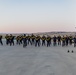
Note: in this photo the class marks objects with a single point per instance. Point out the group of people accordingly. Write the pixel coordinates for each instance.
(38, 40)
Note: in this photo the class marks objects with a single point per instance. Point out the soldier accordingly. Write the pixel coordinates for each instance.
(17, 40)
(1, 40)
(33, 39)
(75, 41)
(59, 40)
(37, 38)
(54, 40)
(48, 39)
(70, 39)
(63, 41)
(29, 39)
(24, 40)
(66, 40)
(20, 39)
(11, 37)
(7, 39)
(43, 38)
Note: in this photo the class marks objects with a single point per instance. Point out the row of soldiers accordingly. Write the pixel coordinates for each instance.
(38, 40)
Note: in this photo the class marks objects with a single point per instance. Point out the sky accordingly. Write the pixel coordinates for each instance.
(31, 16)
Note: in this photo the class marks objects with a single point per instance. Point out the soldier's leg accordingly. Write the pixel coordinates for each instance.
(1, 42)
(35, 43)
(26, 43)
(62, 43)
(70, 42)
(58, 42)
(74, 44)
(50, 42)
(6, 42)
(10, 42)
(47, 43)
(17, 42)
(21, 41)
(67, 43)
(42, 43)
(13, 42)
(30, 42)
(38, 43)
(54, 43)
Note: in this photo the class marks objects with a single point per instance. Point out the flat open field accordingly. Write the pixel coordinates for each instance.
(16, 60)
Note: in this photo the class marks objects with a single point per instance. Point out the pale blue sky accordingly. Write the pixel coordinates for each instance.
(37, 15)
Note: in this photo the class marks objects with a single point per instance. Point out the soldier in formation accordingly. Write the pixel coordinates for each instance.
(59, 40)
(1, 40)
(9, 39)
(38, 40)
(54, 40)
(75, 41)
(48, 39)
(24, 40)
(43, 38)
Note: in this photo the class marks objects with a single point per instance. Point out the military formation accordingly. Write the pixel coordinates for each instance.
(38, 40)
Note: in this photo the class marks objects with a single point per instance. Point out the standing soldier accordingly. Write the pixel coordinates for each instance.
(1, 40)
(17, 40)
(7, 39)
(20, 39)
(75, 41)
(43, 38)
(63, 41)
(37, 38)
(48, 39)
(24, 40)
(54, 40)
(66, 40)
(11, 37)
(29, 39)
(33, 39)
(70, 39)
(59, 40)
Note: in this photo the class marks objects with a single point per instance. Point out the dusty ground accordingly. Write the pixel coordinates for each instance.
(16, 60)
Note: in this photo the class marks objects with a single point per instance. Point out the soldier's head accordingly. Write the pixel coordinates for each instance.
(28, 34)
(42, 35)
(63, 35)
(6, 34)
(54, 36)
(37, 35)
(47, 35)
(66, 35)
(10, 34)
(24, 34)
(32, 34)
(59, 35)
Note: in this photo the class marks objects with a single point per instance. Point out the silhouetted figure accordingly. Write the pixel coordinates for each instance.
(1, 40)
